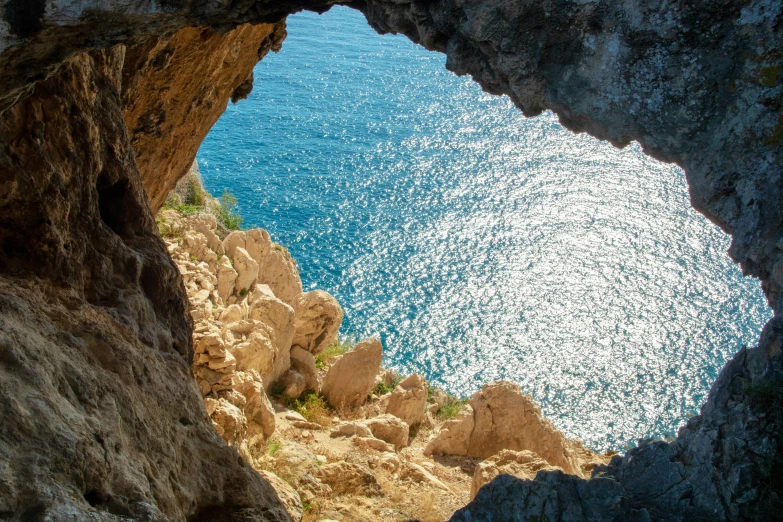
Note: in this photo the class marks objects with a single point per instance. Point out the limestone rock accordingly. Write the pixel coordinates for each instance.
(349, 429)
(374, 444)
(417, 473)
(521, 464)
(351, 378)
(453, 438)
(304, 363)
(293, 384)
(288, 495)
(390, 429)
(280, 273)
(258, 410)
(265, 307)
(409, 399)
(503, 418)
(349, 478)
(258, 244)
(257, 351)
(318, 318)
(231, 420)
(226, 277)
(247, 271)
(234, 240)
(295, 457)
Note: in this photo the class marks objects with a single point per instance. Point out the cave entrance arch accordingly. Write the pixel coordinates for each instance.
(577, 261)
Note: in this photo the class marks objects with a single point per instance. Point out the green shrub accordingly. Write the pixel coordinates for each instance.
(194, 193)
(314, 408)
(228, 211)
(451, 407)
(273, 446)
(335, 349)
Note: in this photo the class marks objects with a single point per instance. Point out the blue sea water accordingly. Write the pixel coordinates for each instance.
(480, 245)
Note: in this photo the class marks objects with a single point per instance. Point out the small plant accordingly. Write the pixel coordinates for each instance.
(228, 211)
(194, 193)
(451, 407)
(193, 258)
(314, 408)
(382, 389)
(273, 446)
(243, 292)
(332, 351)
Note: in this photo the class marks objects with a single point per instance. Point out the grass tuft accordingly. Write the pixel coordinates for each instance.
(314, 408)
(334, 350)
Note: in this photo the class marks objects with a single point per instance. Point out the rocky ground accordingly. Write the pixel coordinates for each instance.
(337, 435)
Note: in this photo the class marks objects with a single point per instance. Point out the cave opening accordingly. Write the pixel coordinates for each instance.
(480, 245)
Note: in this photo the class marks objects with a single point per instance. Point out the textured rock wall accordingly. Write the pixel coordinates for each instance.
(93, 323)
(174, 89)
(100, 414)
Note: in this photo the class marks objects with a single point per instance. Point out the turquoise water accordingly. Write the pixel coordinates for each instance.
(480, 245)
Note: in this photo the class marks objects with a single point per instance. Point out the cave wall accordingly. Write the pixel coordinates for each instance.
(100, 415)
(103, 106)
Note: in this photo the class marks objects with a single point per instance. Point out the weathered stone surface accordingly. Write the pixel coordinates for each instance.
(350, 380)
(521, 464)
(390, 429)
(416, 473)
(287, 495)
(100, 411)
(453, 438)
(279, 272)
(409, 399)
(318, 318)
(350, 478)
(168, 117)
(503, 418)
(349, 429)
(304, 363)
(265, 307)
(373, 444)
(696, 83)
(247, 271)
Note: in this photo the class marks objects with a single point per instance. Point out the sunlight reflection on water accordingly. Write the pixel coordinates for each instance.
(480, 245)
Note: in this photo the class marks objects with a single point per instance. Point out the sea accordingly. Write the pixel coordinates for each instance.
(480, 245)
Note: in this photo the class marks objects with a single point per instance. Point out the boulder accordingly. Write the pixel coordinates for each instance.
(279, 272)
(226, 278)
(235, 239)
(295, 457)
(374, 444)
(304, 363)
(317, 320)
(349, 478)
(287, 495)
(256, 350)
(258, 410)
(258, 244)
(247, 271)
(409, 399)
(293, 384)
(349, 429)
(229, 421)
(265, 307)
(521, 464)
(503, 418)
(416, 473)
(453, 438)
(351, 379)
(390, 429)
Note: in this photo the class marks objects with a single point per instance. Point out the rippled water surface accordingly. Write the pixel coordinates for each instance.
(480, 245)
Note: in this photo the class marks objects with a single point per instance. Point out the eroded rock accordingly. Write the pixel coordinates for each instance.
(350, 380)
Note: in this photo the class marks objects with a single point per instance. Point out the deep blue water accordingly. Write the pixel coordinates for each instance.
(480, 245)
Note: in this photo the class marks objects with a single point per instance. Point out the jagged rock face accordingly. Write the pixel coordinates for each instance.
(89, 294)
(100, 414)
(174, 90)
